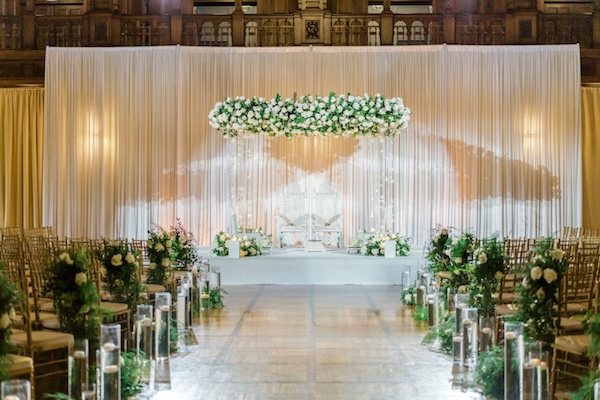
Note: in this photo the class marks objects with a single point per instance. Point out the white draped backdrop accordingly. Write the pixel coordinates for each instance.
(493, 145)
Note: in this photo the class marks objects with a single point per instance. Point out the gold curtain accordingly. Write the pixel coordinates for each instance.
(21, 154)
(590, 117)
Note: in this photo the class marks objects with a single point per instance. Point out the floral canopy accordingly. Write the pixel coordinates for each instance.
(343, 115)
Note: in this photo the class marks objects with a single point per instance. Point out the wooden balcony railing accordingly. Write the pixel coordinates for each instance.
(418, 29)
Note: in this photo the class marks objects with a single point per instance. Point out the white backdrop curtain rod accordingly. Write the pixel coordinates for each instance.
(493, 146)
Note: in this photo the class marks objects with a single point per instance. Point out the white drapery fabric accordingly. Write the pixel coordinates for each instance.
(493, 146)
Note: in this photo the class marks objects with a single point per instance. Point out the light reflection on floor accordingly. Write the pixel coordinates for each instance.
(309, 342)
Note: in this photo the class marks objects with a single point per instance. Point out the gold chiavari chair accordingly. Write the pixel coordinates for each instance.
(516, 260)
(140, 246)
(589, 232)
(48, 350)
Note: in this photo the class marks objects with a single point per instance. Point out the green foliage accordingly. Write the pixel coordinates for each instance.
(486, 270)
(215, 298)
(75, 296)
(119, 272)
(57, 396)
(420, 313)
(443, 333)
(538, 295)
(489, 372)
(131, 374)
(8, 301)
(586, 391)
(461, 254)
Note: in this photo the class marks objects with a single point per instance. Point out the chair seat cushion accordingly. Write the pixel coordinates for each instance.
(43, 340)
(506, 309)
(571, 324)
(154, 288)
(18, 365)
(577, 308)
(114, 307)
(51, 323)
(577, 344)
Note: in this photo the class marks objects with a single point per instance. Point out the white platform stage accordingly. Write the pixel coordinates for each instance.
(297, 267)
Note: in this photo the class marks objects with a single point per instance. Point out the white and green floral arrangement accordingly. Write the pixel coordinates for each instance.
(249, 246)
(184, 251)
(120, 272)
(159, 250)
(343, 115)
(374, 244)
(538, 295)
(76, 298)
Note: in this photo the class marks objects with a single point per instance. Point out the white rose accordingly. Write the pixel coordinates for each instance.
(183, 240)
(499, 275)
(165, 262)
(482, 258)
(4, 321)
(444, 231)
(550, 275)
(63, 256)
(382, 251)
(458, 260)
(455, 241)
(536, 273)
(159, 247)
(129, 258)
(168, 243)
(558, 254)
(12, 314)
(152, 265)
(80, 278)
(540, 293)
(448, 252)
(103, 271)
(375, 252)
(407, 298)
(252, 251)
(222, 238)
(247, 243)
(117, 260)
(436, 238)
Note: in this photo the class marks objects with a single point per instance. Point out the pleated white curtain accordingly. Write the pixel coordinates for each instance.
(493, 146)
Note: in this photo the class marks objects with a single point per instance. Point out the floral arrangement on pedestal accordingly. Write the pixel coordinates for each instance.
(160, 250)
(8, 301)
(538, 295)
(374, 244)
(436, 250)
(343, 115)
(486, 270)
(75, 296)
(248, 246)
(120, 272)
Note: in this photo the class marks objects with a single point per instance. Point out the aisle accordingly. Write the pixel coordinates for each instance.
(310, 342)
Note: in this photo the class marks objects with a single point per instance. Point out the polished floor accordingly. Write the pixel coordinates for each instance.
(310, 342)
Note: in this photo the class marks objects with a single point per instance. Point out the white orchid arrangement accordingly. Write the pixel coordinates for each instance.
(538, 294)
(374, 244)
(249, 247)
(343, 115)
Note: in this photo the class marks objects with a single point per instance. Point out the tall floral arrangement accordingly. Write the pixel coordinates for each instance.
(486, 270)
(374, 244)
(120, 272)
(538, 295)
(343, 115)
(160, 250)
(460, 251)
(8, 301)
(436, 250)
(75, 295)
(184, 252)
(248, 246)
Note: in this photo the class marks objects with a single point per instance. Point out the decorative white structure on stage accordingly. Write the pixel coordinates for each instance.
(293, 217)
(327, 219)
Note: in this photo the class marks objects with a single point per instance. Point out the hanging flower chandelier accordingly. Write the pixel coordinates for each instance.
(343, 115)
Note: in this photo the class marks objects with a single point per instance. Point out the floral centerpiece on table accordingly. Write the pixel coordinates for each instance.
(184, 252)
(538, 295)
(75, 296)
(374, 244)
(436, 254)
(486, 270)
(248, 246)
(343, 115)
(160, 250)
(120, 272)
(8, 301)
